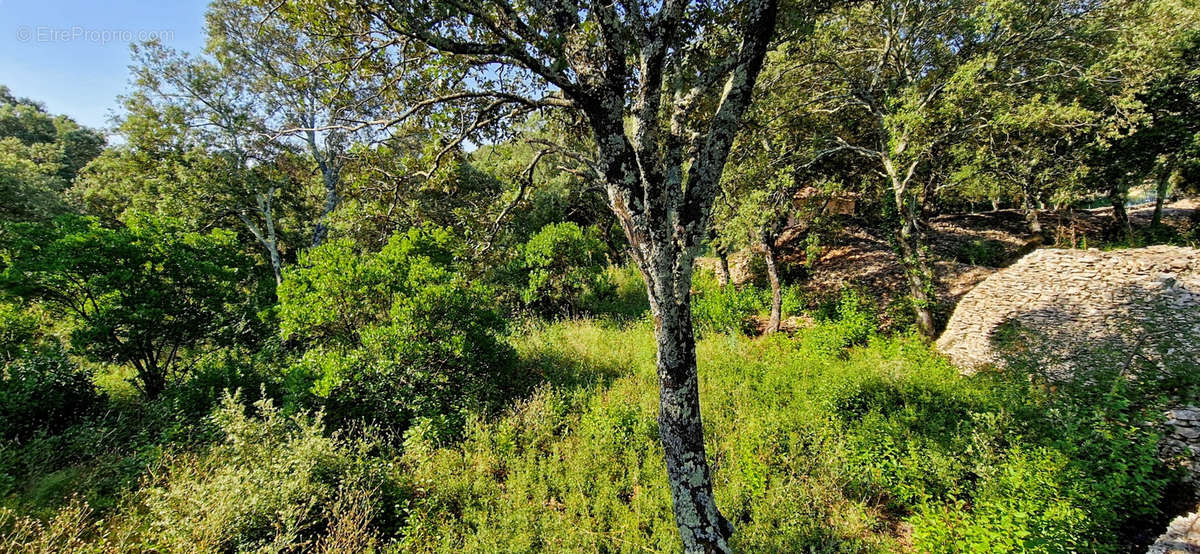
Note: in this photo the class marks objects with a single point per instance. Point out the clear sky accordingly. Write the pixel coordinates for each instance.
(73, 55)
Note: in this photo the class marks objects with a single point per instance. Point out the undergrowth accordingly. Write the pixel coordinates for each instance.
(832, 440)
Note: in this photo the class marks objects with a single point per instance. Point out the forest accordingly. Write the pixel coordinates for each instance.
(597, 276)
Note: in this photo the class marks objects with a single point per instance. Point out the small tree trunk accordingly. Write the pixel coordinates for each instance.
(995, 204)
(722, 266)
(920, 281)
(1160, 197)
(912, 255)
(153, 380)
(331, 203)
(770, 254)
(1117, 196)
(701, 524)
(1031, 212)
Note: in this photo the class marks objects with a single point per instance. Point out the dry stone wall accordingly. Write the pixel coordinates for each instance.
(1068, 307)
(1066, 312)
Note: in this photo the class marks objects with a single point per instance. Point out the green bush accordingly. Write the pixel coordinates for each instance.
(18, 331)
(142, 295)
(274, 483)
(393, 336)
(985, 252)
(43, 391)
(564, 265)
(627, 299)
(849, 322)
(726, 309)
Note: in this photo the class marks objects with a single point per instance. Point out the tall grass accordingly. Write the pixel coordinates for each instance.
(834, 440)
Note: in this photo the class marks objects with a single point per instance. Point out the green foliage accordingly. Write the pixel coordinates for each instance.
(985, 252)
(141, 295)
(565, 268)
(18, 331)
(626, 299)
(43, 391)
(392, 336)
(726, 309)
(335, 291)
(820, 452)
(40, 154)
(273, 483)
(848, 320)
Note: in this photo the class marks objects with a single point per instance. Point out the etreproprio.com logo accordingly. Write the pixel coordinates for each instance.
(77, 33)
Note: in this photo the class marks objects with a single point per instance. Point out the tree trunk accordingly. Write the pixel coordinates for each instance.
(1160, 197)
(912, 253)
(1029, 203)
(722, 266)
(919, 277)
(770, 254)
(701, 524)
(1117, 196)
(153, 380)
(330, 177)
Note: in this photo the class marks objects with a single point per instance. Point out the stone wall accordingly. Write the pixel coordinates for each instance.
(1062, 313)
(1066, 307)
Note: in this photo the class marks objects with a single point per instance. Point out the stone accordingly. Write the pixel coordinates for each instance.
(1188, 432)
(1072, 294)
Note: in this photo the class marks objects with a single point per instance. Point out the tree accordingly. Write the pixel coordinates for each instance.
(1162, 141)
(777, 176)
(301, 103)
(199, 147)
(660, 87)
(907, 79)
(143, 295)
(40, 154)
(393, 335)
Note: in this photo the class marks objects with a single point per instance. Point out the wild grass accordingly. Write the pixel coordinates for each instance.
(832, 440)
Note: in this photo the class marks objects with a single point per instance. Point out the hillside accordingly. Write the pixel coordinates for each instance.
(967, 248)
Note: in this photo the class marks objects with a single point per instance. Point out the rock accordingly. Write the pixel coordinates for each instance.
(1182, 536)
(1068, 295)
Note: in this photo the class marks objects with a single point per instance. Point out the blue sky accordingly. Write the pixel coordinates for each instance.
(73, 55)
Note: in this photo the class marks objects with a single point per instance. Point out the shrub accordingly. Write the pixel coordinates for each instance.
(849, 322)
(726, 309)
(18, 331)
(142, 295)
(565, 266)
(393, 336)
(43, 391)
(985, 252)
(627, 299)
(273, 484)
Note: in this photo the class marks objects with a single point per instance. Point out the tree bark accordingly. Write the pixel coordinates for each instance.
(332, 199)
(1117, 197)
(330, 176)
(153, 380)
(912, 253)
(1160, 197)
(770, 254)
(266, 236)
(701, 524)
(920, 279)
(1030, 205)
